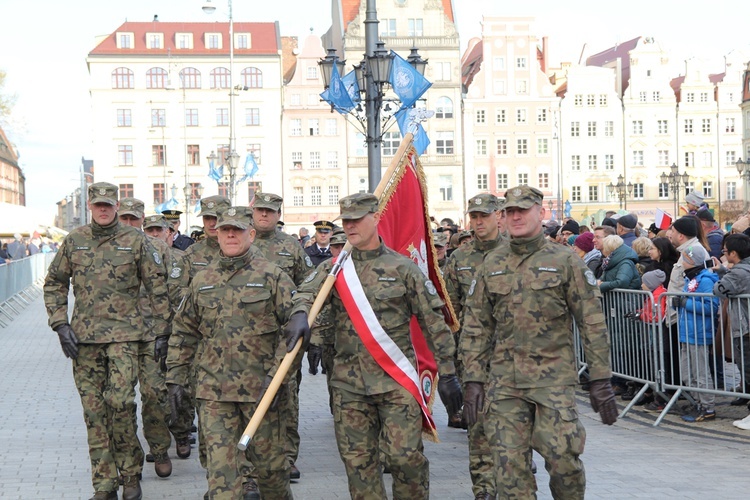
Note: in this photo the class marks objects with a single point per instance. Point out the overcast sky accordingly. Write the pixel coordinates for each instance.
(45, 43)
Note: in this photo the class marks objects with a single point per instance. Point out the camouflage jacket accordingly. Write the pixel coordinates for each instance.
(198, 256)
(518, 318)
(396, 290)
(286, 252)
(235, 308)
(170, 258)
(107, 266)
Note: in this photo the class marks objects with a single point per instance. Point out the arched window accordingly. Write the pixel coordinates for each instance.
(156, 78)
(220, 78)
(122, 78)
(444, 108)
(252, 78)
(191, 78)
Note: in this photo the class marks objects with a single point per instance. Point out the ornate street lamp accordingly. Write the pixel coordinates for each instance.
(675, 180)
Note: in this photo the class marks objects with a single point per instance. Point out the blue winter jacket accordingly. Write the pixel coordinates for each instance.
(697, 319)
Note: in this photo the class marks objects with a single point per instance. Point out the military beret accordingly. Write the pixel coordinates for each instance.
(485, 203)
(103, 192)
(523, 197)
(240, 217)
(355, 206)
(131, 206)
(267, 200)
(210, 205)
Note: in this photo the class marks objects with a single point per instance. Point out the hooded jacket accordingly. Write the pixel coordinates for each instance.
(621, 271)
(697, 316)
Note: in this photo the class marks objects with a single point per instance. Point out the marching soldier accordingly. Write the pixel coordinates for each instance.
(517, 322)
(440, 240)
(179, 241)
(235, 306)
(320, 250)
(371, 408)
(106, 262)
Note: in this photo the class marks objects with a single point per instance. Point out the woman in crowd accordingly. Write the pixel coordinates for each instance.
(642, 246)
(584, 248)
(663, 256)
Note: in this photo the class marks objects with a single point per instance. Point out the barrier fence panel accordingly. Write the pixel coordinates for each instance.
(20, 283)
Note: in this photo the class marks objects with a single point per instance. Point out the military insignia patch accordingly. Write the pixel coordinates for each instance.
(590, 278)
(427, 383)
(347, 203)
(157, 259)
(517, 192)
(231, 212)
(176, 272)
(308, 261)
(102, 191)
(129, 203)
(210, 204)
(310, 277)
(471, 288)
(266, 198)
(430, 287)
(478, 201)
(153, 218)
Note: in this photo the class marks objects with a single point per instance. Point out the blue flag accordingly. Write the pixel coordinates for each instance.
(337, 95)
(421, 141)
(215, 173)
(251, 168)
(170, 204)
(406, 81)
(351, 85)
(197, 208)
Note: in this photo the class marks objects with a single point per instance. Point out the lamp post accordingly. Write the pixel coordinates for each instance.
(621, 188)
(549, 204)
(372, 74)
(232, 158)
(675, 180)
(187, 191)
(743, 168)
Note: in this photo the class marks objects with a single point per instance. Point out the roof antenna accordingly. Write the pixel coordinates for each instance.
(156, 17)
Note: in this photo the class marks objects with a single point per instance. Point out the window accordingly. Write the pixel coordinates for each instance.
(520, 63)
(689, 159)
(663, 155)
(254, 149)
(522, 86)
(125, 41)
(481, 147)
(520, 116)
(498, 86)
(642, 96)
(314, 159)
(313, 126)
(332, 159)
(575, 193)
(295, 127)
(156, 78)
(590, 100)
(445, 183)
(190, 78)
(689, 126)
(191, 117)
(637, 127)
(730, 159)
(184, 40)
(391, 141)
(731, 190)
(706, 125)
(332, 127)
(575, 162)
(707, 158)
(656, 96)
(498, 63)
(252, 117)
(637, 158)
(578, 100)
(223, 189)
(444, 143)
(298, 197)
(252, 78)
(125, 155)
(242, 41)
(690, 186)
(690, 97)
(295, 100)
(609, 162)
(387, 27)
(193, 154)
(444, 108)
(637, 191)
(297, 160)
(609, 129)
(123, 118)
(479, 116)
(333, 195)
(316, 198)
(219, 78)
(602, 100)
(126, 191)
(662, 126)
(158, 154)
(704, 96)
(158, 118)
(523, 179)
(663, 190)
(500, 117)
(501, 147)
(154, 40)
(222, 117)
(593, 162)
(592, 129)
(522, 147)
(543, 181)
(542, 146)
(541, 115)
(441, 70)
(122, 78)
(213, 40)
(482, 182)
(222, 151)
(708, 189)
(415, 27)
(593, 193)
(159, 193)
(729, 125)
(575, 129)
(502, 181)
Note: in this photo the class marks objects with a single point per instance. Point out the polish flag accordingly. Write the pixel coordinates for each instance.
(662, 219)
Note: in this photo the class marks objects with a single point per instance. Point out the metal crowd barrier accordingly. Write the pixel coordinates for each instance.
(21, 282)
(712, 363)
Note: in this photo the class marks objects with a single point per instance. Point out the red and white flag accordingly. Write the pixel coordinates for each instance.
(662, 219)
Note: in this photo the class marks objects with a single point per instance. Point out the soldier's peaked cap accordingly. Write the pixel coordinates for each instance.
(240, 217)
(103, 192)
(211, 205)
(267, 200)
(132, 206)
(523, 197)
(355, 206)
(485, 203)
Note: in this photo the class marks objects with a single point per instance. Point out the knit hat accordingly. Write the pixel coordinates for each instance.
(585, 242)
(628, 221)
(572, 239)
(694, 198)
(694, 256)
(687, 226)
(571, 226)
(653, 279)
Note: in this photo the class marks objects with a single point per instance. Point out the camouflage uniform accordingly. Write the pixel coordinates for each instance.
(236, 307)
(518, 322)
(458, 274)
(285, 251)
(106, 265)
(371, 409)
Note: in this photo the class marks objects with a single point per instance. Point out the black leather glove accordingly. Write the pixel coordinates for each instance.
(296, 329)
(275, 401)
(603, 400)
(176, 397)
(449, 389)
(314, 357)
(68, 340)
(473, 401)
(161, 346)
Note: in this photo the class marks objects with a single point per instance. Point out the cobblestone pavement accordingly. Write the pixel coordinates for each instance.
(43, 452)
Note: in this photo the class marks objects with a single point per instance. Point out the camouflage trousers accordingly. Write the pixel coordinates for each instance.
(481, 466)
(291, 414)
(390, 422)
(326, 362)
(105, 376)
(154, 400)
(546, 420)
(223, 424)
